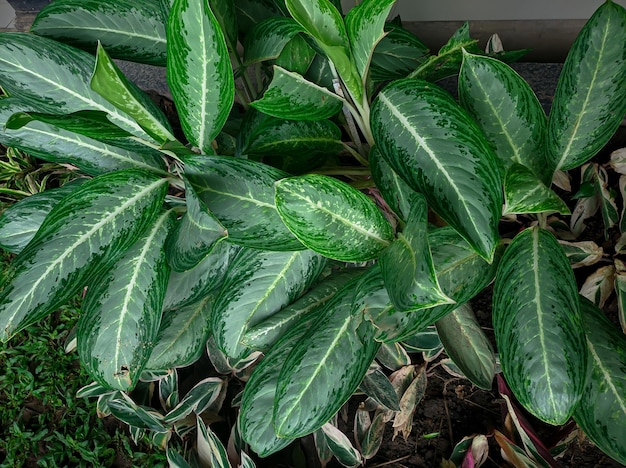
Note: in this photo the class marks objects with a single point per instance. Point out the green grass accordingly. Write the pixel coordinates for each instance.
(42, 423)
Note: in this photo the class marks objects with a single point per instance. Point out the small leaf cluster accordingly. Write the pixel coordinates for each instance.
(325, 204)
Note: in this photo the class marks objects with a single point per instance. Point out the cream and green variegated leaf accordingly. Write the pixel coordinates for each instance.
(268, 38)
(507, 111)
(257, 285)
(290, 96)
(89, 230)
(240, 193)
(182, 335)
(187, 287)
(599, 285)
(110, 83)
(590, 98)
(53, 144)
(122, 312)
(322, 20)
(211, 451)
(21, 220)
(341, 447)
(52, 77)
(430, 141)
(468, 346)
(262, 336)
(538, 326)
(324, 368)
(257, 429)
(137, 416)
(583, 253)
(461, 274)
(525, 193)
(129, 30)
(332, 218)
(393, 356)
(397, 54)
(376, 386)
(174, 459)
(208, 393)
(195, 235)
(365, 24)
(199, 73)
(394, 190)
(407, 265)
(602, 409)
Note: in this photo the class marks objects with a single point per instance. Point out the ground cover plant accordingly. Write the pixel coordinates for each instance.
(327, 210)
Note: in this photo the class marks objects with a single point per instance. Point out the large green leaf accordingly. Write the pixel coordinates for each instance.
(324, 368)
(297, 55)
(182, 336)
(53, 77)
(110, 83)
(291, 96)
(538, 326)
(507, 111)
(365, 27)
(468, 346)
(263, 335)
(332, 218)
(258, 284)
(187, 287)
(195, 235)
(128, 29)
(225, 13)
(590, 98)
(267, 39)
(397, 54)
(322, 20)
(525, 193)
(199, 72)
(21, 220)
(252, 12)
(602, 409)
(53, 144)
(88, 230)
(122, 310)
(407, 265)
(240, 193)
(430, 141)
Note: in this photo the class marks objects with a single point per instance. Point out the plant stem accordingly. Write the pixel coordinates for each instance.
(356, 154)
(342, 170)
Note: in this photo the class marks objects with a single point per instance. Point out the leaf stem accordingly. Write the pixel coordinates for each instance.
(342, 170)
(355, 154)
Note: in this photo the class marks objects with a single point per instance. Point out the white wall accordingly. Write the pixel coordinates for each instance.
(451, 10)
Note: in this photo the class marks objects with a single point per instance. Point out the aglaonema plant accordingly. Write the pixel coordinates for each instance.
(285, 235)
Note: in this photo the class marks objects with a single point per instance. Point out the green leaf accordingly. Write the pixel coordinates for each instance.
(538, 326)
(397, 54)
(590, 98)
(240, 193)
(54, 144)
(224, 11)
(199, 72)
(187, 287)
(203, 395)
(110, 83)
(290, 96)
(114, 210)
(182, 336)
(438, 149)
(93, 124)
(263, 335)
(507, 111)
(376, 385)
(393, 356)
(129, 30)
(448, 61)
(258, 284)
(332, 218)
(321, 20)
(468, 346)
(252, 12)
(323, 369)
(21, 220)
(602, 409)
(341, 446)
(211, 451)
(195, 235)
(268, 38)
(297, 55)
(525, 193)
(139, 417)
(175, 460)
(365, 27)
(122, 311)
(395, 191)
(53, 78)
(373, 437)
(407, 265)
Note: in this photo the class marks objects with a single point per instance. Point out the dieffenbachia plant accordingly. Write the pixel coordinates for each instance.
(285, 232)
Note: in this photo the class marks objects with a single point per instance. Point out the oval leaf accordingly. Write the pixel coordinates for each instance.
(332, 218)
(267, 39)
(525, 193)
(538, 327)
(438, 149)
